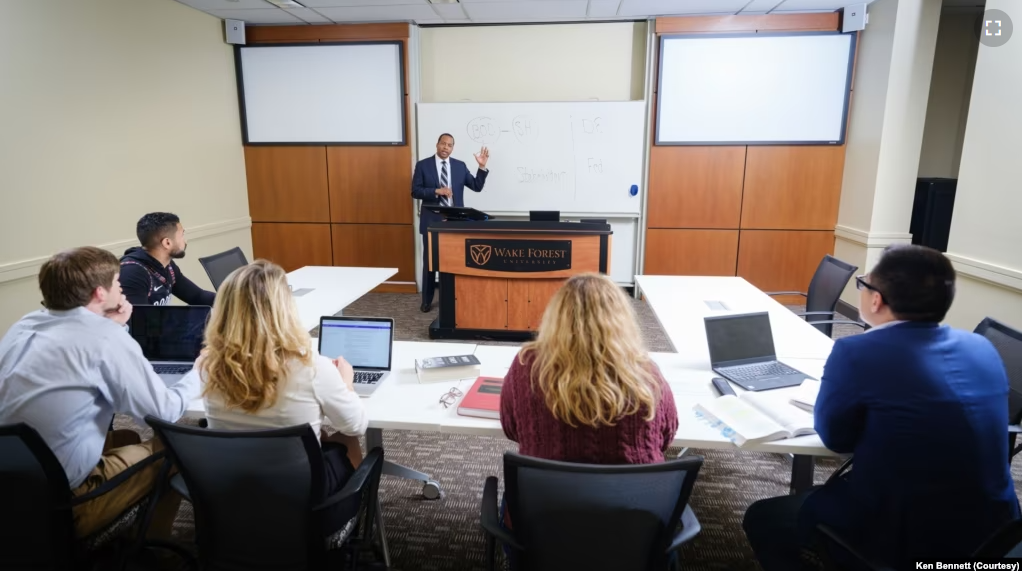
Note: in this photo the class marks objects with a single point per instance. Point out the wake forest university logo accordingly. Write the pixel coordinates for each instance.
(518, 255)
(481, 253)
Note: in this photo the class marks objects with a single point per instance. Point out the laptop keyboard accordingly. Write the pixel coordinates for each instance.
(753, 372)
(367, 378)
(172, 369)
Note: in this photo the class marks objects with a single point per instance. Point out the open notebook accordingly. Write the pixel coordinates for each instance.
(754, 417)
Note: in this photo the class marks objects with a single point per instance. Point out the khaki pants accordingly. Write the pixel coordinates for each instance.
(124, 449)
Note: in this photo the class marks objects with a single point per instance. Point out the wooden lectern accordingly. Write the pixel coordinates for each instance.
(496, 277)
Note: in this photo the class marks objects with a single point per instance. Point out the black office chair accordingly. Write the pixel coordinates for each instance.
(837, 554)
(219, 266)
(1008, 342)
(581, 516)
(36, 504)
(258, 495)
(825, 289)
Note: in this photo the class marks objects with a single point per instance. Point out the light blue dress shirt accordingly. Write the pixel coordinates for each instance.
(65, 373)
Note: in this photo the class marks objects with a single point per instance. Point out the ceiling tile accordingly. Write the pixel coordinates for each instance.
(809, 5)
(308, 15)
(350, 3)
(206, 5)
(450, 11)
(760, 6)
(533, 10)
(377, 13)
(603, 8)
(270, 16)
(679, 7)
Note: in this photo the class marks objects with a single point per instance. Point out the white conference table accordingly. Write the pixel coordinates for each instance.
(402, 403)
(331, 289)
(681, 302)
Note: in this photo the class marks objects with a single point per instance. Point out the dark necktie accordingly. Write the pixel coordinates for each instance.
(443, 182)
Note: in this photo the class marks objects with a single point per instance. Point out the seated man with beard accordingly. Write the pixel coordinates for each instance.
(149, 275)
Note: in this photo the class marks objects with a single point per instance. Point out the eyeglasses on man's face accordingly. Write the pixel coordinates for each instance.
(861, 284)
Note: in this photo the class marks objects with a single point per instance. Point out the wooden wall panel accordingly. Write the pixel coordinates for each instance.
(376, 246)
(287, 184)
(370, 184)
(695, 187)
(334, 33)
(775, 260)
(818, 22)
(792, 187)
(292, 245)
(483, 302)
(691, 252)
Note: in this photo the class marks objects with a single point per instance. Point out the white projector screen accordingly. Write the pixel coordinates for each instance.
(322, 94)
(754, 89)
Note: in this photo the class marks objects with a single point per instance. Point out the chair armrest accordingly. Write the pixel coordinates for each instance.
(357, 481)
(828, 534)
(864, 326)
(841, 470)
(805, 313)
(119, 479)
(489, 515)
(690, 528)
(803, 294)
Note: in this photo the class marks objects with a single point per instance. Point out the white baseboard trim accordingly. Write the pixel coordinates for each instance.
(28, 268)
(871, 239)
(986, 272)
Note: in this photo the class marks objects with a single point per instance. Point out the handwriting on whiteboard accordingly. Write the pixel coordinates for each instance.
(540, 176)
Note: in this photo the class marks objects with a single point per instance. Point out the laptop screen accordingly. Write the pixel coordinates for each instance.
(169, 332)
(739, 338)
(365, 343)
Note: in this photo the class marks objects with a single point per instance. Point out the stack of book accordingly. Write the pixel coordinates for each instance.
(439, 369)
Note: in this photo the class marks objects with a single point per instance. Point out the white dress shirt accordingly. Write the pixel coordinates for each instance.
(65, 374)
(307, 395)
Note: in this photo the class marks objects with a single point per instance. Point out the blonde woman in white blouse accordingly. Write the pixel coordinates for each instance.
(260, 371)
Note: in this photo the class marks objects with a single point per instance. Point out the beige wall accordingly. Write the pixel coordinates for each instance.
(885, 132)
(985, 231)
(950, 88)
(557, 62)
(110, 109)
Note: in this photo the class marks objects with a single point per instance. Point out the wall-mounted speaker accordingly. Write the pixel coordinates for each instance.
(234, 30)
(853, 18)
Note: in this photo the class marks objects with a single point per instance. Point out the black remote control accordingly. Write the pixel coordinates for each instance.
(723, 387)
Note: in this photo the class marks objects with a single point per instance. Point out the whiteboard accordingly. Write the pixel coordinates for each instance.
(577, 157)
(755, 89)
(322, 93)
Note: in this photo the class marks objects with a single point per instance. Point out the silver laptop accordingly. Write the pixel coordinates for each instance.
(171, 336)
(365, 342)
(742, 351)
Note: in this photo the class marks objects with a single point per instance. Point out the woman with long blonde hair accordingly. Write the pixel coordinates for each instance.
(586, 390)
(260, 371)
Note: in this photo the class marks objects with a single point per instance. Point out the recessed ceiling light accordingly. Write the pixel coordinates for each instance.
(443, 1)
(285, 3)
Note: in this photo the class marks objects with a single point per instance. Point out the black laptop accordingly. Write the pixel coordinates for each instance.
(742, 351)
(171, 336)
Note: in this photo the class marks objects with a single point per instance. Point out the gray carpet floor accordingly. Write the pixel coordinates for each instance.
(444, 534)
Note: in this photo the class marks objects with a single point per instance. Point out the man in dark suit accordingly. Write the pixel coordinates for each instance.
(924, 408)
(441, 181)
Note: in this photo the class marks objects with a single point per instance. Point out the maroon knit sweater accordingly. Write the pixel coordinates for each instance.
(527, 420)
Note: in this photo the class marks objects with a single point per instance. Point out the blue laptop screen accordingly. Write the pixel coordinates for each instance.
(364, 344)
(169, 333)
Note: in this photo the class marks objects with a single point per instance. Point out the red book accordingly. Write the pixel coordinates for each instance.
(483, 399)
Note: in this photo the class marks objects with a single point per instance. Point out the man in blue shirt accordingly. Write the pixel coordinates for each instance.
(65, 370)
(924, 409)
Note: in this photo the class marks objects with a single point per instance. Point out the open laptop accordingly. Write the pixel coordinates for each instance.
(365, 342)
(171, 336)
(742, 351)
